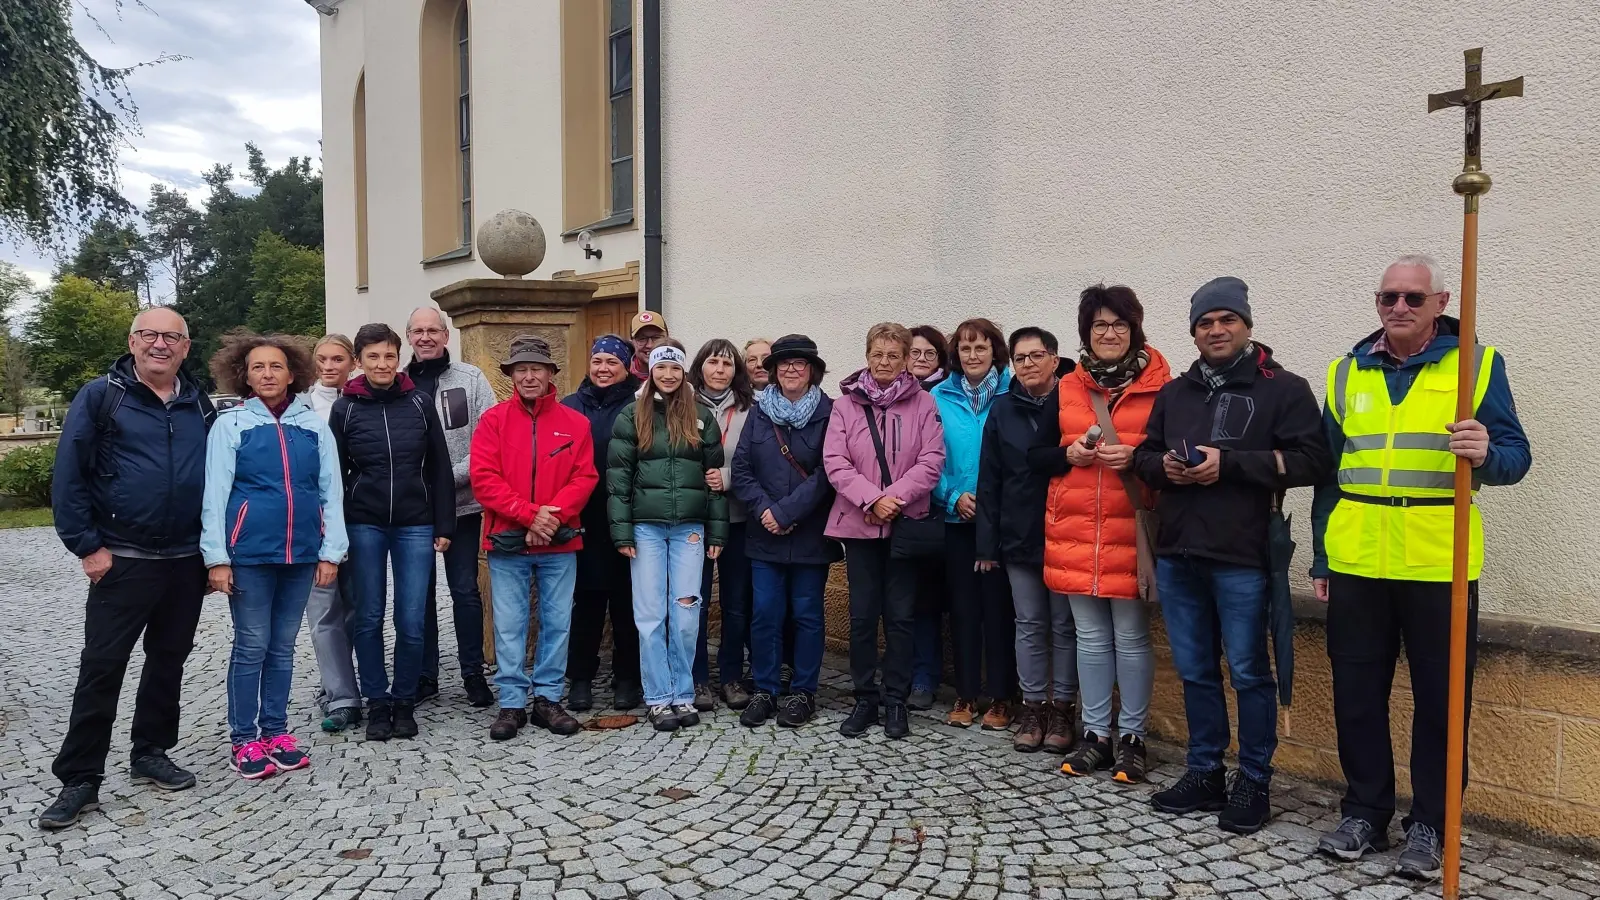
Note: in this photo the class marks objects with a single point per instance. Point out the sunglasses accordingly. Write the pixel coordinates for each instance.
(1414, 299)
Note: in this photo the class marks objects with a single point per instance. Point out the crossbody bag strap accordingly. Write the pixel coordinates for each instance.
(877, 443)
(1108, 432)
(783, 447)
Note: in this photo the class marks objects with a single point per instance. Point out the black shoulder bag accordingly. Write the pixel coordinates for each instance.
(908, 538)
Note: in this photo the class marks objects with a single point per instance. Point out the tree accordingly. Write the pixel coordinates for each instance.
(77, 330)
(172, 227)
(15, 376)
(113, 254)
(287, 284)
(14, 286)
(65, 118)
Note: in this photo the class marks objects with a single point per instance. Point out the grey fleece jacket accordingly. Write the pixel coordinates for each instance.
(463, 396)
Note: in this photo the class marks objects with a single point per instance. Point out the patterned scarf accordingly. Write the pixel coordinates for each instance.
(980, 395)
(1116, 374)
(862, 384)
(780, 410)
(1217, 377)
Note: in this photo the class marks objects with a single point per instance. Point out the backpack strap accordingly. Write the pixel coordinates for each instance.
(110, 401)
(877, 444)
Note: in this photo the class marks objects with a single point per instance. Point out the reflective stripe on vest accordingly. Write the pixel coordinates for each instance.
(1399, 451)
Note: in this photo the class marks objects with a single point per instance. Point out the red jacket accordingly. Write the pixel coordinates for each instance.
(505, 479)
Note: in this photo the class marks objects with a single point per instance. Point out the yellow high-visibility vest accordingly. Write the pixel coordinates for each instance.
(1395, 454)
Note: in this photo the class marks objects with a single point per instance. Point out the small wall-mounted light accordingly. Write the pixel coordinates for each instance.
(586, 238)
(323, 6)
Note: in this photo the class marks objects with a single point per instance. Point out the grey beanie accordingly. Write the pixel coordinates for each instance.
(1228, 293)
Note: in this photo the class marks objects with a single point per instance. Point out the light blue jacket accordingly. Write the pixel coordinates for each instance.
(963, 439)
(273, 493)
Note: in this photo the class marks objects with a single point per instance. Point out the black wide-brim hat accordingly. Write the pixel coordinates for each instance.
(794, 346)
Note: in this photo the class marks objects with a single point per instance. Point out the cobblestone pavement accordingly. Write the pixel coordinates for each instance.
(715, 811)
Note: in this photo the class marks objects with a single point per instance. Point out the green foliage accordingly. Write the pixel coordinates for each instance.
(42, 517)
(25, 474)
(14, 286)
(113, 254)
(77, 331)
(16, 376)
(287, 283)
(171, 228)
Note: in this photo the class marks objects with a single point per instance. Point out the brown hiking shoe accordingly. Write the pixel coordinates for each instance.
(960, 714)
(1060, 732)
(999, 716)
(549, 715)
(1030, 727)
(507, 724)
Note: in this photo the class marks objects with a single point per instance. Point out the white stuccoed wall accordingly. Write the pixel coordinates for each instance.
(832, 164)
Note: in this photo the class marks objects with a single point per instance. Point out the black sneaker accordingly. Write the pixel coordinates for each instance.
(864, 716)
(688, 716)
(156, 769)
(73, 801)
(580, 698)
(342, 718)
(427, 688)
(405, 720)
(796, 709)
(758, 710)
(663, 717)
(1092, 754)
(478, 693)
(1131, 766)
(1249, 806)
(896, 720)
(1195, 791)
(1353, 839)
(380, 721)
(1419, 861)
(921, 699)
(626, 695)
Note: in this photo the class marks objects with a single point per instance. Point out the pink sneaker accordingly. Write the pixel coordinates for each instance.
(251, 761)
(285, 753)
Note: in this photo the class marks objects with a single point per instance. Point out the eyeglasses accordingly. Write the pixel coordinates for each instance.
(892, 356)
(792, 365)
(1414, 299)
(428, 332)
(1103, 328)
(925, 354)
(1037, 358)
(149, 336)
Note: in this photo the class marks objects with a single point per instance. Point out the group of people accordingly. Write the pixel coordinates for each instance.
(1037, 503)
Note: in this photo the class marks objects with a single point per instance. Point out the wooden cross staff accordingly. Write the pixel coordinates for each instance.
(1471, 184)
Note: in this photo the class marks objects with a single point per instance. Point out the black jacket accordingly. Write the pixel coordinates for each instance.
(600, 566)
(1261, 408)
(130, 469)
(1021, 441)
(395, 462)
(765, 480)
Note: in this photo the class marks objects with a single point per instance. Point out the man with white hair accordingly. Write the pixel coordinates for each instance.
(129, 475)
(1382, 535)
(462, 394)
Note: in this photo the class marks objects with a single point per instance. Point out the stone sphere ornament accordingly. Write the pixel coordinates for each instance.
(511, 243)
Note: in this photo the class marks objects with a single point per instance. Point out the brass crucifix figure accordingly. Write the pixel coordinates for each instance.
(1473, 181)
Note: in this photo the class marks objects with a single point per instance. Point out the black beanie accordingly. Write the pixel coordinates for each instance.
(1226, 292)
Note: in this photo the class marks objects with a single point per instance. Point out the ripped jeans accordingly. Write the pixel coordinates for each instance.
(666, 572)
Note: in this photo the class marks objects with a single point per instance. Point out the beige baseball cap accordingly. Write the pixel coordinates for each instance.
(647, 318)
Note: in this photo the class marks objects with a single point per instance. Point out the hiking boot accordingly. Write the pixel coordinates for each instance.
(156, 769)
(1030, 728)
(1092, 754)
(1419, 861)
(1131, 762)
(862, 717)
(478, 693)
(549, 715)
(380, 721)
(705, 699)
(73, 801)
(999, 716)
(405, 720)
(1249, 806)
(626, 695)
(921, 699)
(796, 709)
(735, 695)
(1353, 839)
(581, 696)
(758, 709)
(1061, 727)
(960, 714)
(342, 718)
(507, 724)
(251, 761)
(663, 717)
(896, 720)
(427, 688)
(1195, 791)
(285, 753)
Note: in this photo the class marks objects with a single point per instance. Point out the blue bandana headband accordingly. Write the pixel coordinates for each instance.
(668, 354)
(610, 343)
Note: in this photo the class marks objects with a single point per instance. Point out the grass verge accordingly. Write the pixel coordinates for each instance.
(25, 518)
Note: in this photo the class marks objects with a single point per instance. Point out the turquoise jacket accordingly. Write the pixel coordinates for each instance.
(963, 439)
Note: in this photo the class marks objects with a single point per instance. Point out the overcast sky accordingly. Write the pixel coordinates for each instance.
(250, 73)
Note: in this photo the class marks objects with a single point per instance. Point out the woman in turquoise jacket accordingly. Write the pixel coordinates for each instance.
(982, 621)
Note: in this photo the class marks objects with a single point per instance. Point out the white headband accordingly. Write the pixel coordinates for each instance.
(668, 354)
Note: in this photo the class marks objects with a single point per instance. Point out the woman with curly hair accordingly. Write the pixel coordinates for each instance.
(271, 527)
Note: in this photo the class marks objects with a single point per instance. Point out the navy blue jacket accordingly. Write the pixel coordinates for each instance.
(1510, 456)
(600, 566)
(138, 482)
(765, 480)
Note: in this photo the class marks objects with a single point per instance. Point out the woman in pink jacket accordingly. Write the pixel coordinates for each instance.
(867, 505)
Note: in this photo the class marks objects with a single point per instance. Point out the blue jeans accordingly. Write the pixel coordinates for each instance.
(511, 578)
(780, 591)
(373, 548)
(733, 594)
(267, 604)
(1213, 608)
(461, 574)
(666, 606)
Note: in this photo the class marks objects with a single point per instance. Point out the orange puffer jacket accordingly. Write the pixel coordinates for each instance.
(1090, 543)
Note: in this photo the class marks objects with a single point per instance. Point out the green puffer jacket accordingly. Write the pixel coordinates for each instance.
(665, 485)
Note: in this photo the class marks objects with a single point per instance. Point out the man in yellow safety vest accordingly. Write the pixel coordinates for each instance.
(1382, 536)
